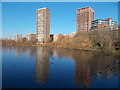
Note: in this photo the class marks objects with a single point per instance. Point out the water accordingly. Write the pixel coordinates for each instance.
(44, 67)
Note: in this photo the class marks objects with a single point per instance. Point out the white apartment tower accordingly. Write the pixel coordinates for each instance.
(42, 24)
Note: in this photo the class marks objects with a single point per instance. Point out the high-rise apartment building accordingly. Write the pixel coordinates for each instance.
(42, 24)
(84, 16)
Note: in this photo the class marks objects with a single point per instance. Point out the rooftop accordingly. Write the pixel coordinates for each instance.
(42, 8)
(85, 8)
(30, 34)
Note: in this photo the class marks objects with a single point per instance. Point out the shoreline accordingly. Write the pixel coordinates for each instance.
(51, 45)
(57, 45)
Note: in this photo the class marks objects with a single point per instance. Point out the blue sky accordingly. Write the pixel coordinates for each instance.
(20, 17)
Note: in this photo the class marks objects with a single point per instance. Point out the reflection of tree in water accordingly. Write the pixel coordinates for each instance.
(30, 51)
(62, 53)
(87, 64)
(7, 48)
(42, 64)
(102, 64)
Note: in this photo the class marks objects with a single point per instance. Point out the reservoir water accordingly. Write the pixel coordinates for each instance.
(45, 67)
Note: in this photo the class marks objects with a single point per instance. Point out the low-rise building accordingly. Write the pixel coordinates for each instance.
(100, 24)
(68, 36)
(56, 37)
(73, 33)
(31, 37)
(114, 27)
(18, 38)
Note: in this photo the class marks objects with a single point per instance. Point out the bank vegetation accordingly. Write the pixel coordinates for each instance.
(102, 40)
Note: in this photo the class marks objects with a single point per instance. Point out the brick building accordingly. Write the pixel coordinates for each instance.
(56, 37)
(84, 16)
(31, 37)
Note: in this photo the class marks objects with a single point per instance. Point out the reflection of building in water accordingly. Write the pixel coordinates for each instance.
(30, 51)
(42, 64)
(83, 75)
(87, 64)
(62, 53)
(18, 51)
(55, 54)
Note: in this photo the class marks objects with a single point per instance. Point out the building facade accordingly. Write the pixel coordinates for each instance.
(18, 38)
(42, 24)
(84, 16)
(57, 37)
(31, 37)
(106, 24)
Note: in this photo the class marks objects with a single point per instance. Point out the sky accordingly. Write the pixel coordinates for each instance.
(20, 17)
(60, 0)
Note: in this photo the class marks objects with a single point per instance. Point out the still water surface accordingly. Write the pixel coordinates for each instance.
(44, 67)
